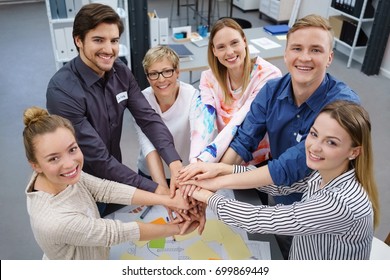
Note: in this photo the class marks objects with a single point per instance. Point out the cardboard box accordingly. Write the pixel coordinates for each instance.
(337, 24)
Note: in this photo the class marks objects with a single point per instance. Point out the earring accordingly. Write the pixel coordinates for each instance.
(351, 158)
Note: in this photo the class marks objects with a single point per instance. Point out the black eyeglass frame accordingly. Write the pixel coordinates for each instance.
(171, 71)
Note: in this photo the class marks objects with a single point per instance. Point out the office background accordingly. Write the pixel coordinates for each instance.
(28, 64)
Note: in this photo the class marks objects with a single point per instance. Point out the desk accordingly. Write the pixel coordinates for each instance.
(268, 249)
(200, 63)
(250, 196)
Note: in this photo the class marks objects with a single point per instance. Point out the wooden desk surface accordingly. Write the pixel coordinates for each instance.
(199, 62)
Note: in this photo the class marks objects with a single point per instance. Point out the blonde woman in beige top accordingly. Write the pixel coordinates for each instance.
(61, 198)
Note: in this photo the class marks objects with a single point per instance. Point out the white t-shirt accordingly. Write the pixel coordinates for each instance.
(177, 119)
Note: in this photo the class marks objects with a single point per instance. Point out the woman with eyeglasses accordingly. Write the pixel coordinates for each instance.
(171, 99)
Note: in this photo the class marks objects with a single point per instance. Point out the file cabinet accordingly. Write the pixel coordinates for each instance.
(277, 10)
(246, 5)
(61, 14)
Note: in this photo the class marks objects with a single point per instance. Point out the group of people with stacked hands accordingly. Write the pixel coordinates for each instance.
(301, 139)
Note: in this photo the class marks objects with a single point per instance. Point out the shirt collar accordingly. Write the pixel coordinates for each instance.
(335, 182)
(315, 101)
(87, 74)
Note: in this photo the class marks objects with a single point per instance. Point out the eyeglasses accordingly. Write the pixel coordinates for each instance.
(155, 75)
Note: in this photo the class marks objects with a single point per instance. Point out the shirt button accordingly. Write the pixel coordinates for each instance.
(298, 116)
(295, 134)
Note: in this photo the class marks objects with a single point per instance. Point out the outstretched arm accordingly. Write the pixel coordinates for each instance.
(247, 180)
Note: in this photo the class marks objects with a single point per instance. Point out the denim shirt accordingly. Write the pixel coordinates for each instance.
(274, 111)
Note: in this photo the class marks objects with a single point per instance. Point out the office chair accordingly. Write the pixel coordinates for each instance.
(242, 22)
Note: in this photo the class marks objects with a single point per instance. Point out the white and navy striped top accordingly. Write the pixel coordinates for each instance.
(330, 223)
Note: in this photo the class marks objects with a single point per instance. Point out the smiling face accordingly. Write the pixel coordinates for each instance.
(308, 54)
(329, 147)
(164, 87)
(58, 158)
(229, 48)
(100, 47)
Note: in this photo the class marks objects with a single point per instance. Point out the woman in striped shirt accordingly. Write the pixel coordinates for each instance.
(339, 209)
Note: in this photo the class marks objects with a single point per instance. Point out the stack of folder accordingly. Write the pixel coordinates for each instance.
(182, 51)
(279, 29)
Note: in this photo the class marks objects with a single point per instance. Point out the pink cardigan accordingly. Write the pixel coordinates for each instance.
(214, 124)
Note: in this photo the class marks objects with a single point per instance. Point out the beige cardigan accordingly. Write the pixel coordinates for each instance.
(68, 225)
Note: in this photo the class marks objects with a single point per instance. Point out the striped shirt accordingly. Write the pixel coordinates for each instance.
(329, 223)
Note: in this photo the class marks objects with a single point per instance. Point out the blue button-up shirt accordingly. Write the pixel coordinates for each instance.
(274, 111)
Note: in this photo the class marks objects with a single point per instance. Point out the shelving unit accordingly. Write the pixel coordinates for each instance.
(277, 10)
(61, 15)
(360, 20)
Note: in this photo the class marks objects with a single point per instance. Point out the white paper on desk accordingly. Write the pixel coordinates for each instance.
(253, 51)
(265, 43)
(259, 249)
(176, 249)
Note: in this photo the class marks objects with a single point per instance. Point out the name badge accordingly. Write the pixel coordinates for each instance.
(299, 137)
(121, 96)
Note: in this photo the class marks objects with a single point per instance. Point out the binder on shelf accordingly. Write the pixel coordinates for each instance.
(348, 32)
(53, 9)
(78, 4)
(61, 8)
(182, 51)
(70, 11)
(158, 30)
(154, 32)
(70, 46)
(278, 29)
(163, 31)
(354, 7)
(59, 35)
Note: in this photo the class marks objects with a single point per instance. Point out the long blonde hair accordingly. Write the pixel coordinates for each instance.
(219, 70)
(355, 120)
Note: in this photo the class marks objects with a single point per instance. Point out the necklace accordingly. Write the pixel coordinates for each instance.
(237, 91)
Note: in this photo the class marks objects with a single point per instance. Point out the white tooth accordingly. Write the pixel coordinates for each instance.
(314, 156)
(70, 174)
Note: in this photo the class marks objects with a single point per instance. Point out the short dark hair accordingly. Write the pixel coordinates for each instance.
(91, 15)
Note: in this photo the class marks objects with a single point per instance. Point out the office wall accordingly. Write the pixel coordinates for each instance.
(321, 7)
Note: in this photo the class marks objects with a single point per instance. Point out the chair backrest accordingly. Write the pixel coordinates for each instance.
(242, 22)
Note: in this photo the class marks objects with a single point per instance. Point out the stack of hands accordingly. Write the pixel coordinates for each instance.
(189, 192)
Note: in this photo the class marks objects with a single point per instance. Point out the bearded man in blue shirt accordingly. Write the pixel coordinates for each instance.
(93, 91)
